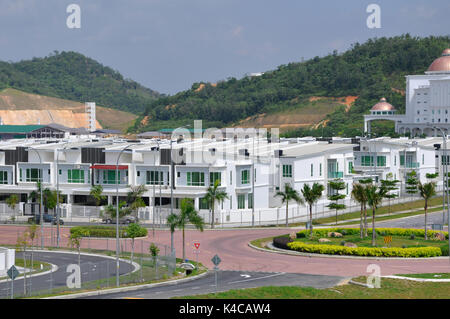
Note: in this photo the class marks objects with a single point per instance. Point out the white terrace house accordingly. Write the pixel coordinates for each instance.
(382, 156)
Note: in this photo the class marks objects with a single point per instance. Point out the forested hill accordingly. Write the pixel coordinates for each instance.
(370, 71)
(73, 76)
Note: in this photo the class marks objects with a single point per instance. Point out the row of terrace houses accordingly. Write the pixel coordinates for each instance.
(250, 170)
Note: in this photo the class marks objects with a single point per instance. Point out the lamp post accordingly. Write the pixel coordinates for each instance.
(40, 204)
(58, 207)
(117, 212)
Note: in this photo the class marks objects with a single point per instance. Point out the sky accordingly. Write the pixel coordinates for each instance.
(167, 45)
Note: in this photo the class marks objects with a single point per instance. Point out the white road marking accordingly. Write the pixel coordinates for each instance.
(274, 275)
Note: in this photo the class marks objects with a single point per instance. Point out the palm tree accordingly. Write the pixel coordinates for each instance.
(188, 214)
(213, 195)
(375, 196)
(12, 202)
(359, 194)
(96, 193)
(311, 196)
(426, 191)
(134, 197)
(288, 195)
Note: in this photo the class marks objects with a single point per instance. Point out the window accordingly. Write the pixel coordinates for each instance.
(245, 176)
(33, 175)
(366, 160)
(423, 159)
(350, 167)
(312, 170)
(203, 203)
(109, 177)
(154, 178)
(195, 179)
(287, 170)
(213, 177)
(241, 201)
(395, 160)
(231, 178)
(3, 177)
(250, 200)
(320, 169)
(381, 161)
(75, 176)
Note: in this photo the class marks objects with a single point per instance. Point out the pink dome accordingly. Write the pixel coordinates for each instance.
(441, 64)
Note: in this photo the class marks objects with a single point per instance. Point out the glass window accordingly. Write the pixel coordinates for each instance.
(366, 160)
(3, 177)
(312, 170)
(241, 201)
(245, 176)
(287, 170)
(215, 176)
(75, 176)
(154, 178)
(203, 203)
(195, 179)
(33, 175)
(320, 169)
(250, 200)
(381, 161)
(350, 167)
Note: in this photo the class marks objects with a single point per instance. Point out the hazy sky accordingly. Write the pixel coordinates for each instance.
(167, 45)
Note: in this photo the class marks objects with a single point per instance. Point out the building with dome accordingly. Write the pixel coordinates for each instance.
(427, 102)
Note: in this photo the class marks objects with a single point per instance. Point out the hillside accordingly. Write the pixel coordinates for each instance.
(369, 71)
(17, 107)
(72, 76)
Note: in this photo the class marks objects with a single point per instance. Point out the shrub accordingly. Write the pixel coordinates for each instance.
(301, 235)
(344, 232)
(387, 232)
(282, 241)
(366, 251)
(412, 237)
(104, 231)
(444, 250)
(343, 243)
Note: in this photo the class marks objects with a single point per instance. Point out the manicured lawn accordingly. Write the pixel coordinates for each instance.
(390, 289)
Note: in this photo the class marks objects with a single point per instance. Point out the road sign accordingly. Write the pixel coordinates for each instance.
(13, 272)
(388, 239)
(196, 244)
(216, 260)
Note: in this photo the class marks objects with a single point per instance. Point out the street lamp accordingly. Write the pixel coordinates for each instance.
(40, 204)
(117, 211)
(58, 207)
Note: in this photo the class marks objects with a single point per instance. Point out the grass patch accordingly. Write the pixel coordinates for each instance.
(390, 289)
(261, 242)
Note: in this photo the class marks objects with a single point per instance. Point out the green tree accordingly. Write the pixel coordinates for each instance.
(311, 195)
(213, 195)
(12, 202)
(134, 230)
(134, 198)
(375, 196)
(426, 191)
(336, 185)
(154, 251)
(187, 214)
(411, 183)
(75, 238)
(390, 185)
(289, 194)
(96, 193)
(359, 194)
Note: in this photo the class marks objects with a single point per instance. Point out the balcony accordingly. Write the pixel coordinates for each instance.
(335, 174)
(411, 165)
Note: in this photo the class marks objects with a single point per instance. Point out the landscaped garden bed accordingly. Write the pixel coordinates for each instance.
(347, 241)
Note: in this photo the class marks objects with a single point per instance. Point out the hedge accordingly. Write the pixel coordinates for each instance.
(380, 231)
(105, 231)
(365, 251)
(282, 241)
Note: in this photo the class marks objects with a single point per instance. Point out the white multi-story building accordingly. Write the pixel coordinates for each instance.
(427, 102)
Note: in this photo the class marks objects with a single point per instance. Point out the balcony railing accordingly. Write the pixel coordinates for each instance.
(335, 174)
(411, 165)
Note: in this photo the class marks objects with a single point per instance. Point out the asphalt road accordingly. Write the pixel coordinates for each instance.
(227, 280)
(414, 221)
(92, 268)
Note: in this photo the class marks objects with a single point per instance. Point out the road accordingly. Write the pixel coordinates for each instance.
(92, 268)
(227, 280)
(414, 221)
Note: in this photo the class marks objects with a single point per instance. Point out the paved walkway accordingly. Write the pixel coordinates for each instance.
(232, 247)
